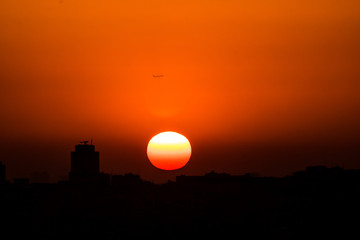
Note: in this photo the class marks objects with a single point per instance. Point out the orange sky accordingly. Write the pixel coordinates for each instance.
(235, 72)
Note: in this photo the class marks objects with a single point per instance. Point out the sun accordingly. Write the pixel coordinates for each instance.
(169, 150)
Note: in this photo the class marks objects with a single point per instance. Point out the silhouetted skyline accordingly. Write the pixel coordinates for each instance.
(317, 201)
(51, 162)
(85, 169)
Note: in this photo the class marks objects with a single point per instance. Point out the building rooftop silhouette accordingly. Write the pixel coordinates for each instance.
(84, 163)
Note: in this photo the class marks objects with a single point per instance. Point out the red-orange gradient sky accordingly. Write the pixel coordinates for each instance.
(266, 86)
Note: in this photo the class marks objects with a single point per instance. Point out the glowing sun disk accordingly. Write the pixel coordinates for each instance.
(169, 150)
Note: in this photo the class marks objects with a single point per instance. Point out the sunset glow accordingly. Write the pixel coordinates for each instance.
(254, 84)
(169, 151)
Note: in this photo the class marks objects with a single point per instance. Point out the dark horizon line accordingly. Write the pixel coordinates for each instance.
(311, 169)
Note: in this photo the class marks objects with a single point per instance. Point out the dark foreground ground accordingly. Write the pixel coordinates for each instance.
(317, 203)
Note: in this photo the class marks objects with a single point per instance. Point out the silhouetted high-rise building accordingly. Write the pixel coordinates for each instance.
(2, 172)
(84, 163)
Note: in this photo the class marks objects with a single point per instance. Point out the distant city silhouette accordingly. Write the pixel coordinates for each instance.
(316, 202)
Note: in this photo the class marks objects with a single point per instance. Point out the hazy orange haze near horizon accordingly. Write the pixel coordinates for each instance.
(251, 72)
